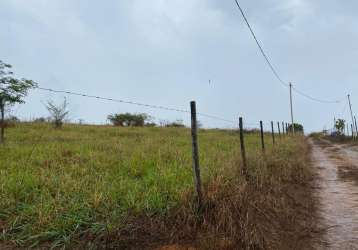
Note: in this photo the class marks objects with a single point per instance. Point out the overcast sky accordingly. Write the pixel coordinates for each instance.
(164, 52)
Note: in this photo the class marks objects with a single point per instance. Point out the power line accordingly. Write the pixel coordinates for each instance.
(134, 103)
(274, 71)
(260, 47)
(316, 99)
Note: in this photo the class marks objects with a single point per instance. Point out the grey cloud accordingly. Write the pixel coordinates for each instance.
(165, 52)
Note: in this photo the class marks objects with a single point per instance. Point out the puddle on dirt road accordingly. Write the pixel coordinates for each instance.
(339, 202)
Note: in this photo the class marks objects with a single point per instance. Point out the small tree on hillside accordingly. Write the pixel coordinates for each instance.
(298, 128)
(58, 113)
(128, 119)
(340, 126)
(12, 91)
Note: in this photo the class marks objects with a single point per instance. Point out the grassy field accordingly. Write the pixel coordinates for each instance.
(99, 183)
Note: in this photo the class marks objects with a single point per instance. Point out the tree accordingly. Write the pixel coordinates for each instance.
(340, 126)
(298, 128)
(12, 91)
(58, 112)
(128, 119)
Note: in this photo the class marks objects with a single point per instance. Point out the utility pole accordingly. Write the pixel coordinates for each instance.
(350, 107)
(293, 127)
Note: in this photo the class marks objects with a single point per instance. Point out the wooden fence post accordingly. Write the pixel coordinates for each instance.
(273, 133)
(287, 132)
(283, 128)
(279, 129)
(196, 167)
(262, 136)
(242, 144)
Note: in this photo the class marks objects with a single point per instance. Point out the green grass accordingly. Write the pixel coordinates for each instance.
(58, 184)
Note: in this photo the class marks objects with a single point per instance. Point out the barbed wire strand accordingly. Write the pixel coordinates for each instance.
(134, 103)
(315, 99)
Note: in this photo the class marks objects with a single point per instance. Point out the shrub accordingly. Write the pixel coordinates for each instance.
(58, 112)
(298, 128)
(176, 124)
(41, 120)
(13, 118)
(151, 124)
(128, 119)
(340, 126)
(9, 122)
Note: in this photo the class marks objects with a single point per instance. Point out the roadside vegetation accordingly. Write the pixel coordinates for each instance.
(343, 133)
(12, 91)
(132, 187)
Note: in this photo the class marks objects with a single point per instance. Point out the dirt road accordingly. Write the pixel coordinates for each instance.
(337, 192)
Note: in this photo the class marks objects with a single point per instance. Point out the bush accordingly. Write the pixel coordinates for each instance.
(10, 122)
(298, 128)
(340, 125)
(13, 118)
(176, 124)
(151, 124)
(41, 120)
(129, 120)
(58, 112)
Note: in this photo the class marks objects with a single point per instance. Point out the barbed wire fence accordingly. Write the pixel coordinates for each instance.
(277, 130)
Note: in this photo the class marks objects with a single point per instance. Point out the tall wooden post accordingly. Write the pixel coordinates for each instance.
(196, 167)
(283, 128)
(350, 108)
(273, 133)
(262, 136)
(2, 122)
(242, 144)
(279, 129)
(287, 132)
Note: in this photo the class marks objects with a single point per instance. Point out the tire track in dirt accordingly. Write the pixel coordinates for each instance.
(337, 192)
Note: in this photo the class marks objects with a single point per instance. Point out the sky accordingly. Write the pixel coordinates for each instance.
(170, 52)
